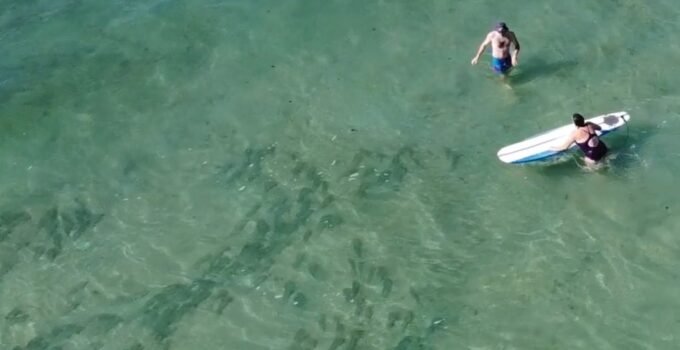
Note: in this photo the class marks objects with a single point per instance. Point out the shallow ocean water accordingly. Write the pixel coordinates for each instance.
(322, 175)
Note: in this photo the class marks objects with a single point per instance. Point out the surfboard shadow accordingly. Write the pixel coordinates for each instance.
(626, 146)
(537, 68)
(566, 165)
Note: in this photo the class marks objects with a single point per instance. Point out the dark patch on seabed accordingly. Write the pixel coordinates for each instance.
(286, 215)
(386, 173)
(46, 236)
(371, 286)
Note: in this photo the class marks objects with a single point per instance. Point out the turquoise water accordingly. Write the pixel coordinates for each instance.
(323, 175)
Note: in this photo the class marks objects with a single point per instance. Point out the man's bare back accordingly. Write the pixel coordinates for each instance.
(500, 44)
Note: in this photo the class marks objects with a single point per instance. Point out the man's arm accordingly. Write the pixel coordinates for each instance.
(483, 46)
(515, 53)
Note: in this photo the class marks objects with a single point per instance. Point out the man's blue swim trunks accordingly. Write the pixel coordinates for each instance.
(502, 65)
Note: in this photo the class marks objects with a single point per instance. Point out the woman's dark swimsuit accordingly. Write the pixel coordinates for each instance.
(595, 153)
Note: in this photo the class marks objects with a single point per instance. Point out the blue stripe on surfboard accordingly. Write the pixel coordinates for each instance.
(538, 156)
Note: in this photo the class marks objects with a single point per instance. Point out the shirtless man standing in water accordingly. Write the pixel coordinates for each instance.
(500, 39)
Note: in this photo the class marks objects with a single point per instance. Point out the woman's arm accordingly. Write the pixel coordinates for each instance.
(567, 142)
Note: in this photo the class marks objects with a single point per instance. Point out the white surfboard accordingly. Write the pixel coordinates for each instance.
(538, 147)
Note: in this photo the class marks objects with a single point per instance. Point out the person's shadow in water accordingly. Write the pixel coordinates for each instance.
(534, 68)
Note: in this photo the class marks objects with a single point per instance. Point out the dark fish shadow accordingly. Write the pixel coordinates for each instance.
(537, 68)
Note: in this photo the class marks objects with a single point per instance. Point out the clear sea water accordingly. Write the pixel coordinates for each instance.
(302, 175)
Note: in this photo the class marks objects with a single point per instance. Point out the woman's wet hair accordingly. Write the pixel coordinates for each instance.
(578, 120)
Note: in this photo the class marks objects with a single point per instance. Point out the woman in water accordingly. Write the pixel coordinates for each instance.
(586, 139)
